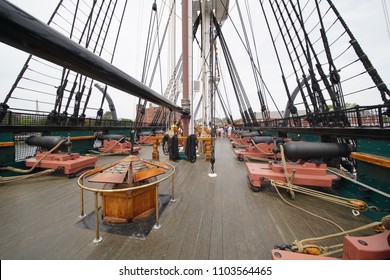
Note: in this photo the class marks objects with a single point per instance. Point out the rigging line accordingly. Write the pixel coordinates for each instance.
(160, 48)
(263, 100)
(157, 22)
(24, 110)
(140, 114)
(310, 14)
(295, 20)
(336, 85)
(315, 86)
(41, 74)
(104, 38)
(34, 90)
(44, 62)
(38, 82)
(226, 55)
(354, 76)
(150, 45)
(159, 57)
(300, 64)
(223, 105)
(349, 64)
(322, 64)
(358, 91)
(230, 64)
(290, 101)
(318, 64)
(107, 26)
(65, 72)
(382, 87)
(224, 84)
(249, 48)
(25, 66)
(318, 23)
(146, 56)
(386, 13)
(30, 100)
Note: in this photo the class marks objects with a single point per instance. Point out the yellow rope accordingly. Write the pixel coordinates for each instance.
(354, 204)
(4, 180)
(304, 210)
(260, 150)
(289, 179)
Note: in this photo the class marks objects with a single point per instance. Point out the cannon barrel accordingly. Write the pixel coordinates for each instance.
(267, 139)
(312, 150)
(145, 133)
(239, 132)
(250, 134)
(102, 137)
(23, 31)
(47, 142)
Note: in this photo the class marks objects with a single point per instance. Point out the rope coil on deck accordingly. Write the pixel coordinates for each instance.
(306, 245)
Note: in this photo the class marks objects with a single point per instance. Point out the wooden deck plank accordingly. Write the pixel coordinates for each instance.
(212, 218)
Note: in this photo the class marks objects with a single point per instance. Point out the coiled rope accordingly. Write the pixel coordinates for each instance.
(305, 246)
(190, 150)
(174, 151)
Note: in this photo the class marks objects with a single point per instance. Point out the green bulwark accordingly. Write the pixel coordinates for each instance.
(373, 175)
(7, 154)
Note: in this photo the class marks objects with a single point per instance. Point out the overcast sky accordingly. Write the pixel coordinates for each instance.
(365, 18)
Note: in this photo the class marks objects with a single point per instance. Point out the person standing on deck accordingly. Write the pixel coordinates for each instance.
(229, 130)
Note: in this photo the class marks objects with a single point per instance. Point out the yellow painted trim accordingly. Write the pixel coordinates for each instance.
(7, 144)
(79, 138)
(378, 160)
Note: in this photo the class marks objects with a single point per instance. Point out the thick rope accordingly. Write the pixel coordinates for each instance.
(4, 180)
(289, 179)
(260, 150)
(304, 210)
(299, 246)
(352, 203)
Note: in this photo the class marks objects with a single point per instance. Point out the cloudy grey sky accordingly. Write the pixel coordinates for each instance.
(365, 18)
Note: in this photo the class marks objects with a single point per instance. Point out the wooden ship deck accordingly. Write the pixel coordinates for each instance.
(212, 218)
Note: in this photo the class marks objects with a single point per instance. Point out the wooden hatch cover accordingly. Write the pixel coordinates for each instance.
(131, 169)
(114, 175)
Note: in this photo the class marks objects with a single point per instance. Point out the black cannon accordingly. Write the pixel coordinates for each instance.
(313, 150)
(266, 139)
(110, 137)
(47, 142)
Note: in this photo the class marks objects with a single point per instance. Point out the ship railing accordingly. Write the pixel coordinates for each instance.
(23, 119)
(30, 119)
(359, 116)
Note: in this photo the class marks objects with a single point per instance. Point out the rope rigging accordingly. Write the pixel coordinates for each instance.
(294, 111)
(264, 108)
(96, 22)
(384, 91)
(290, 102)
(148, 57)
(246, 111)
